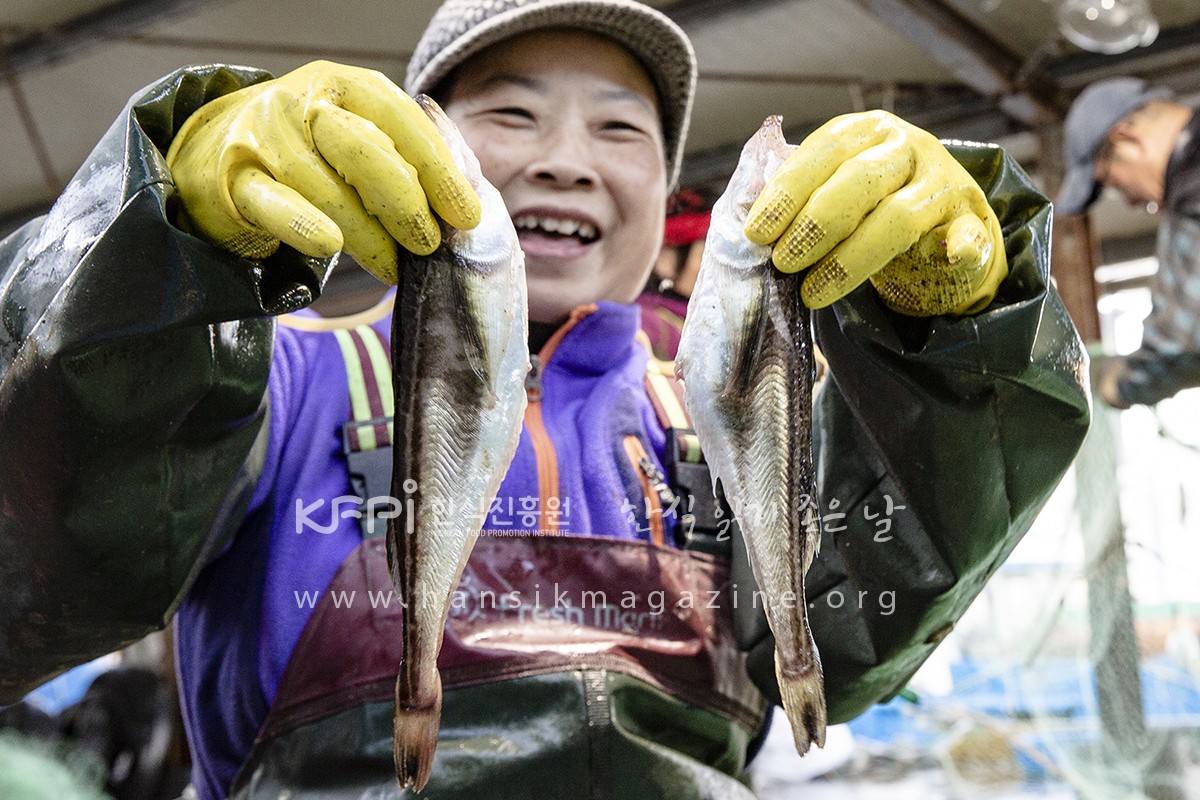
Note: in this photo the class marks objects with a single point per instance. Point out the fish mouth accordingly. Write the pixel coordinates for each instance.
(556, 229)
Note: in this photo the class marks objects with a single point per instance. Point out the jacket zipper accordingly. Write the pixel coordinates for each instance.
(543, 447)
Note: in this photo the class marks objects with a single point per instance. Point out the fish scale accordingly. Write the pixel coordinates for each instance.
(746, 360)
(460, 350)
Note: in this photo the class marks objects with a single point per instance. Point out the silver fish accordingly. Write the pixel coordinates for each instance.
(746, 360)
(460, 355)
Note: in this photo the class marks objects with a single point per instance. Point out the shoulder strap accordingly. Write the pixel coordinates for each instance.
(706, 521)
(666, 395)
(367, 357)
(367, 434)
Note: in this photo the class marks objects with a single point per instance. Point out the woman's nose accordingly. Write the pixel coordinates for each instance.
(563, 160)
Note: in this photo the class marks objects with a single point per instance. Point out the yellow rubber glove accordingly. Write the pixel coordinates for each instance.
(325, 158)
(870, 196)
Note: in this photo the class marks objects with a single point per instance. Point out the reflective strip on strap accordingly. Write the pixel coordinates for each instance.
(666, 395)
(666, 402)
(369, 377)
(689, 447)
(381, 371)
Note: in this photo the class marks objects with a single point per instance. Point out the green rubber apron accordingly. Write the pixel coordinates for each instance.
(572, 667)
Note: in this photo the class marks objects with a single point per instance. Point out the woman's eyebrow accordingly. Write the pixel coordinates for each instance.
(608, 94)
(512, 79)
(619, 94)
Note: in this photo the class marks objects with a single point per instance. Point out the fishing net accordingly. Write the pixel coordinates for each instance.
(1076, 673)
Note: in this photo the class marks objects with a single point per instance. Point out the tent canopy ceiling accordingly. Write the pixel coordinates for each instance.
(988, 70)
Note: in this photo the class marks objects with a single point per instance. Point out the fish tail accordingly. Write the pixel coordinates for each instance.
(804, 703)
(415, 734)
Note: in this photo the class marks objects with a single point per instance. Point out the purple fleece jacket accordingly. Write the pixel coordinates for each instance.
(239, 624)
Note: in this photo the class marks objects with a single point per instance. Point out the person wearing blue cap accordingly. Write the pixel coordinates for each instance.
(1139, 140)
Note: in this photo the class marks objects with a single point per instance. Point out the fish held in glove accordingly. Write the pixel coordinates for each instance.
(460, 355)
(746, 360)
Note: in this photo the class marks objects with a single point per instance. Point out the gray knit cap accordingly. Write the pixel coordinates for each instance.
(461, 28)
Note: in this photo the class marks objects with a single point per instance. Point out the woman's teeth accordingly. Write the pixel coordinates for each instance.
(554, 225)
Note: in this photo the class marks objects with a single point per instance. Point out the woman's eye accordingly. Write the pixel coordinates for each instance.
(624, 131)
(513, 111)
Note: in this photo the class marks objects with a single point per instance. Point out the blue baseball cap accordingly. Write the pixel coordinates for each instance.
(1093, 114)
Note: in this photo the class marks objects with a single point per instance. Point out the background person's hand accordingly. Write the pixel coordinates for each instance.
(868, 196)
(325, 158)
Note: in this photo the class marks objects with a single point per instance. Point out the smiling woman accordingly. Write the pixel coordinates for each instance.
(160, 447)
(566, 126)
